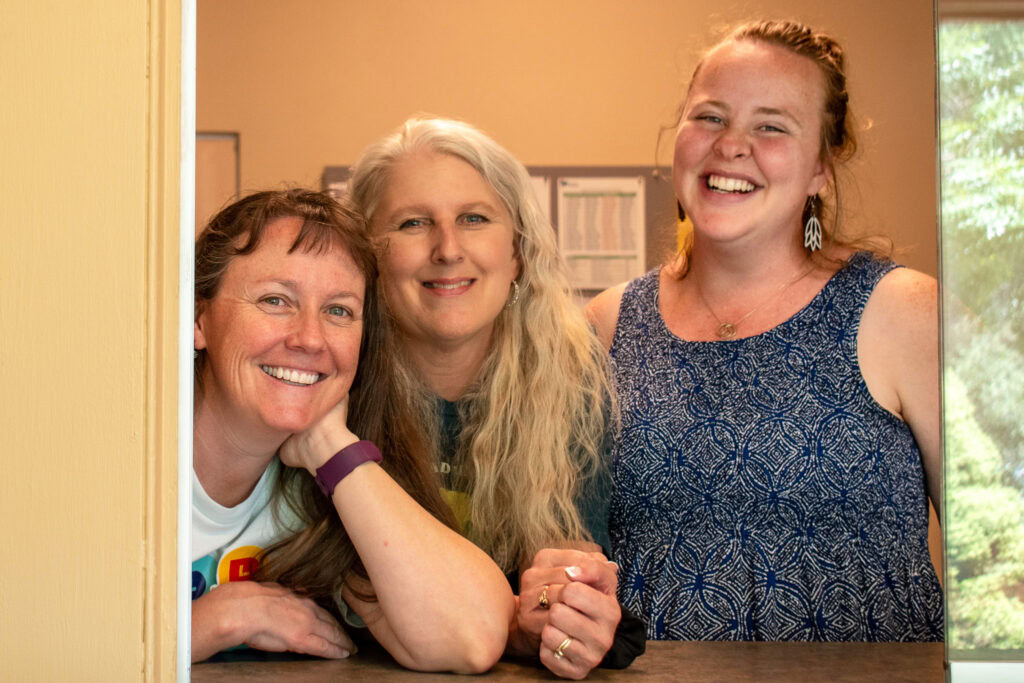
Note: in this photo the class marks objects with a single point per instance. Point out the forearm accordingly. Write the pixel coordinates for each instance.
(443, 605)
(211, 632)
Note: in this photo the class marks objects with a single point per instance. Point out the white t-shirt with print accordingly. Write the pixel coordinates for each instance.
(227, 542)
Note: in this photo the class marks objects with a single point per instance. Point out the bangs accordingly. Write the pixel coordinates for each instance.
(317, 237)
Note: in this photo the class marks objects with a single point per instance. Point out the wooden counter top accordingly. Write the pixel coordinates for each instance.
(664, 661)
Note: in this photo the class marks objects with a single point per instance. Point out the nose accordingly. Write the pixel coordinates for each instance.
(306, 333)
(446, 247)
(732, 144)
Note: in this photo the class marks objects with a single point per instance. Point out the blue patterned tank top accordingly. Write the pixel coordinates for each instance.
(760, 491)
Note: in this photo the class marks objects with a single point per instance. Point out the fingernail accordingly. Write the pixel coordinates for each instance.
(573, 572)
(345, 654)
(615, 567)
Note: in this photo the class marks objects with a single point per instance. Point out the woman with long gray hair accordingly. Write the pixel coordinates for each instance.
(507, 377)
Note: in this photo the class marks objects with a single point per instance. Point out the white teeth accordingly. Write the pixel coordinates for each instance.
(290, 375)
(447, 285)
(723, 184)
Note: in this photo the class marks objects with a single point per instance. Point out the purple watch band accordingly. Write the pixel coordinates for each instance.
(343, 462)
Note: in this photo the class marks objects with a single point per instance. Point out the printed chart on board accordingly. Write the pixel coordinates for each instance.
(601, 229)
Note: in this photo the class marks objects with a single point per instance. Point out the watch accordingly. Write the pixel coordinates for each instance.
(343, 462)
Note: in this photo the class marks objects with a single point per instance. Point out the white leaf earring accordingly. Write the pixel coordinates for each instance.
(812, 228)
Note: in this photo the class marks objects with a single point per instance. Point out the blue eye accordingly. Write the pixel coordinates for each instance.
(274, 304)
(411, 223)
(475, 218)
(710, 118)
(339, 311)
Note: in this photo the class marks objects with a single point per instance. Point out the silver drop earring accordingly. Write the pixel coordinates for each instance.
(515, 295)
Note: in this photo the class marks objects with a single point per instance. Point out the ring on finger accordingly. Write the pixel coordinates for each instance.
(562, 647)
(543, 599)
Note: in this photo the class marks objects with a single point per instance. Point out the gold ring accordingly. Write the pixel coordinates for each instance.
(543, 600)
(560, 650)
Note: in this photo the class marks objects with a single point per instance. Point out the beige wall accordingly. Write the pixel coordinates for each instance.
(309, 84)
(88, 195)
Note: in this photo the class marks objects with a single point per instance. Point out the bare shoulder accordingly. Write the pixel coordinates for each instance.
(603, 312)
(904, 302)
(898, 341)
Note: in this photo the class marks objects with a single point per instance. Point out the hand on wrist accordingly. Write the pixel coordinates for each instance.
(320, 450)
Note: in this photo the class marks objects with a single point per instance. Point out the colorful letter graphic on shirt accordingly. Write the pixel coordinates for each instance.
(203, 575)
(238, 564)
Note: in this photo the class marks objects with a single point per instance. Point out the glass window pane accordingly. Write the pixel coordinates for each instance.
(981, 86)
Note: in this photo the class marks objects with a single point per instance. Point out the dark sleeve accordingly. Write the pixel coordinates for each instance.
(630, 641)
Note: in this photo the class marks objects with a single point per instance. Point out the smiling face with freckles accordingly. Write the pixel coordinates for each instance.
(448, 251)
(748, 148)
(281, 335)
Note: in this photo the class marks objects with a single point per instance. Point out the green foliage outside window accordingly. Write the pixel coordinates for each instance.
(981, 90)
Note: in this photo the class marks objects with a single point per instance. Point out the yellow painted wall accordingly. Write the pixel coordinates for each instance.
(310, 83)
(88, 150)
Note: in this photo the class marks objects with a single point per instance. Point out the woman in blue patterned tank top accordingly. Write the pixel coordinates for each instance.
(778, 387)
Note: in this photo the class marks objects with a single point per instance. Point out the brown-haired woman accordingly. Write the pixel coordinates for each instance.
(294, 521)
(779, 388)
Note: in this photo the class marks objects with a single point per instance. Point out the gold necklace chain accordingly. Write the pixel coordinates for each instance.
(727, 330)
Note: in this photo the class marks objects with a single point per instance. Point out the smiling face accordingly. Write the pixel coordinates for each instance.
(748, 149)
(449, 258)
(281, 335)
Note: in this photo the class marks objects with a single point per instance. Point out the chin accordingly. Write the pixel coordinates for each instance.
(287, 423)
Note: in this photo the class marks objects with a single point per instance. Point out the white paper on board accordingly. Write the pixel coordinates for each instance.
(542, 188)
(601, 229)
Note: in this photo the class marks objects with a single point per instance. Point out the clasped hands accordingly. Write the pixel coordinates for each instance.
(567, 610)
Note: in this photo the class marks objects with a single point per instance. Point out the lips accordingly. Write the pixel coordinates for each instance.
(448, 284)
(444, 287)
(299, 378)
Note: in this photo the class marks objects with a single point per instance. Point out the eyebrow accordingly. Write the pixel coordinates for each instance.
(340, 294)
(771, 111)
(481, 205)
(413, 209)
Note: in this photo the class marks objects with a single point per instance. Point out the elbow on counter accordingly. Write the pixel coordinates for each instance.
(481, 655)
(473, 647)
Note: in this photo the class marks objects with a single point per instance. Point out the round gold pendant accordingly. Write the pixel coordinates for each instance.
(726, 331)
